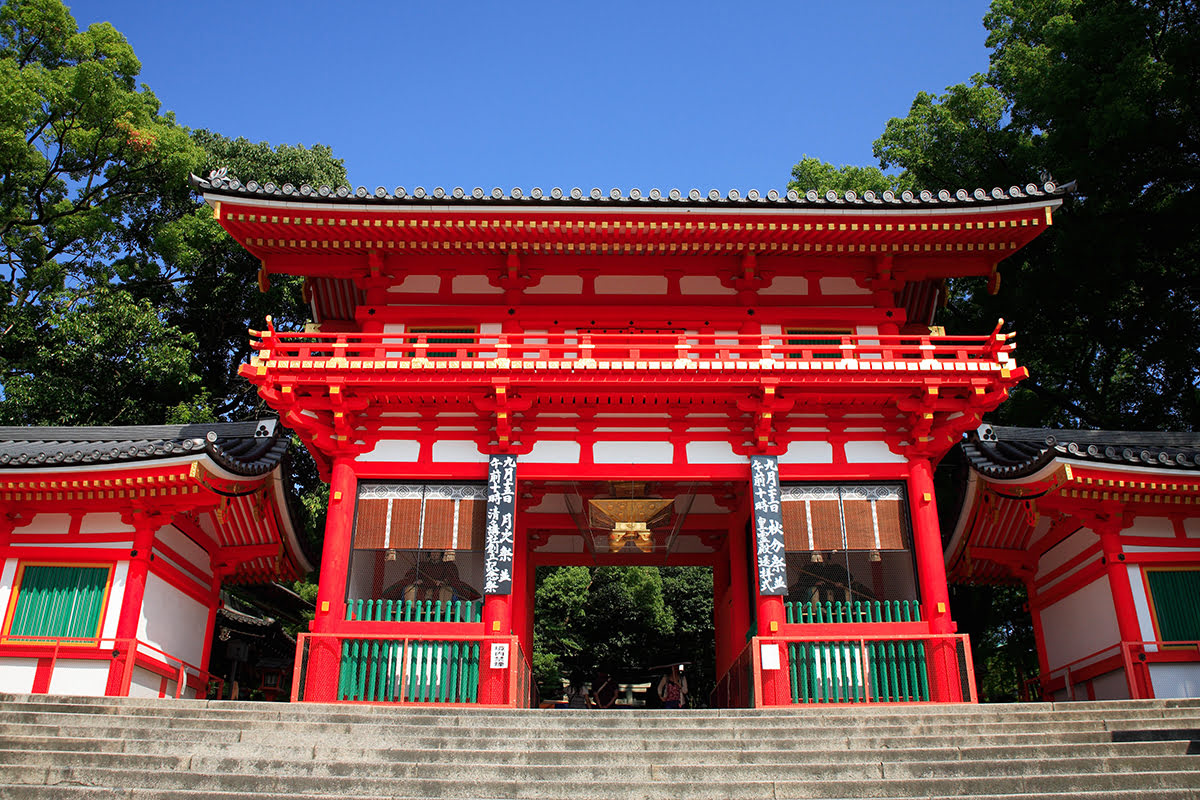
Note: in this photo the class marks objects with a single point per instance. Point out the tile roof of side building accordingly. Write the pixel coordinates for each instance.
(243, 448)
(220, 182)
(1009, 453)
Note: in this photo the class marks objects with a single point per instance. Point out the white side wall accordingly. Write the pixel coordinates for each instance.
(172, 621)
(80, 676)
(1080, 624)
(1175, 680)
(16, 674)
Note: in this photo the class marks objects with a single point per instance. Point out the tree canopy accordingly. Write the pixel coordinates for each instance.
(1107, 305)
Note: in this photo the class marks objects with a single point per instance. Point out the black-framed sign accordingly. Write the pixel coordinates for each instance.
(768, 525)
(498, 534)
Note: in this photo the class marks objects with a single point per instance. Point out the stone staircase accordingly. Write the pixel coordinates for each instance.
(74, 747)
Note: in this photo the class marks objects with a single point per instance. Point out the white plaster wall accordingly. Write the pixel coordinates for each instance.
(787, 284)
(871, 453)
(116, 598)
(807, 453)
(713, 453)
(79, 676)
(1080, 624)
(16, 674)
(631, 284)
(103, 523)
(418, 284)
(842, 285)
(1141, 603)
(172, 621)
(703, 284)
(1191, 527)
(1175, 680)
(454, 450)
(557, 284)
(1111, 686)
(633, 453)
(144, 683)
(393, 450)
(1065, 550)
(7, 575)
(552, 452)
(178, 541)
(474, 284)
(1150, 526)
(47, 523)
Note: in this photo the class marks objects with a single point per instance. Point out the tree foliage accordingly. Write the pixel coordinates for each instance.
(813, 173)
(1108, 303)
(623, 620)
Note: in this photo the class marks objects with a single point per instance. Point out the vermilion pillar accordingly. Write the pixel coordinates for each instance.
(144, 526)
(942, 662)
(1122, 596)
(323, 665)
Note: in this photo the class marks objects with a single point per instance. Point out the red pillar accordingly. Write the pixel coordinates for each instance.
(131, 601)
(498, 614)
(321, 670)
(1122, 596)
(944, 683)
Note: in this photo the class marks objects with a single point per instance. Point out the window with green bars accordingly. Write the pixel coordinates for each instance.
(443, 335)
(1176, 595)
(824, 338)
(58, 602)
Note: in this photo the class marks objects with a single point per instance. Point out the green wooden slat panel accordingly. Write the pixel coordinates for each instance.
(1176, 595)
(55, 601)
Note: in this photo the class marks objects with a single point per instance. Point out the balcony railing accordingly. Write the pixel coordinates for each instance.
(124, 654)
(631, 351)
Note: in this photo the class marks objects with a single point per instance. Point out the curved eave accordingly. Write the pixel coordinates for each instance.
(242, 449)
(999, 453)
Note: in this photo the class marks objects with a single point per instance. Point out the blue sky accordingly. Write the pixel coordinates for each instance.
(609, 94)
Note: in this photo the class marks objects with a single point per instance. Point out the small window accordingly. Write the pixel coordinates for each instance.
(444, 335)
(818, 338)
(57, 602)
(1176, 596)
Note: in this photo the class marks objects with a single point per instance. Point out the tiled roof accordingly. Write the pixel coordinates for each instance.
(244, 448)
(220, 182)
(1001, 452)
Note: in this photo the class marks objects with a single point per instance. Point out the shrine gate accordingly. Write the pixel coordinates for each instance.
(494, 381)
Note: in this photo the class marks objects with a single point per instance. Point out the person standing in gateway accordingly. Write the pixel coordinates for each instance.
(672, 689)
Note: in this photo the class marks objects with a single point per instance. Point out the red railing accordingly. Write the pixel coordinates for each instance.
(1133, 658)
(626, 350)
(451, 669)
(127, 653)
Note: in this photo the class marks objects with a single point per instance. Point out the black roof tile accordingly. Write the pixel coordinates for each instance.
(220, 182)
(244, 448)
(1003, 452)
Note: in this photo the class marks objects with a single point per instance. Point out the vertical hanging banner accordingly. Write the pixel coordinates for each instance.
(768, 525)
(498, 535)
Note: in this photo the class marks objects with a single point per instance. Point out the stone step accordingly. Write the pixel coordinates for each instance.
(817, 768)
(548, 726)
(356, 783)
(27, 792)
(901, 751)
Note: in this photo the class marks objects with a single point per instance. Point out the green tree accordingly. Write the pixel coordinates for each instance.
(102, 356)
(1108, 303)
(81, 146)
(813, 173)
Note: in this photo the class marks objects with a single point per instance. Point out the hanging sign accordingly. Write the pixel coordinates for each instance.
(768, 525)
(498, 535)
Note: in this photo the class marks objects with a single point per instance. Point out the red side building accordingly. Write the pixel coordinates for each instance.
(495, 381)
(1102, 528)
(115, 543)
